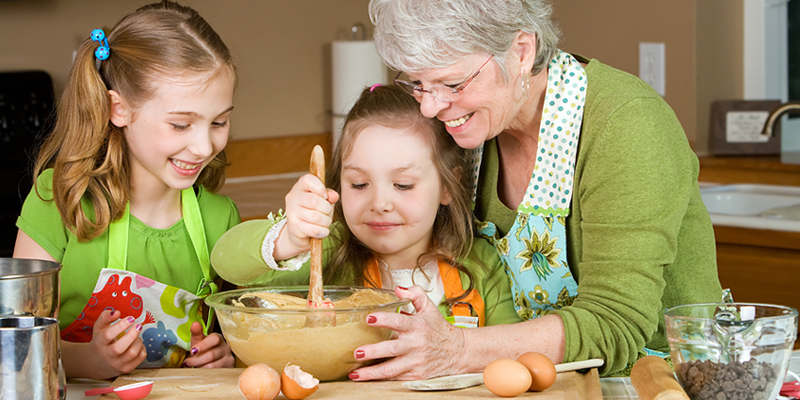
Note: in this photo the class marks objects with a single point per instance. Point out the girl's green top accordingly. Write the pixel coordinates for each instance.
(237, 259)
(164, 255)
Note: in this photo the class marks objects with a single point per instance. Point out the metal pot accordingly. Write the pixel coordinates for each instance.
(29, 287)
(29, 359)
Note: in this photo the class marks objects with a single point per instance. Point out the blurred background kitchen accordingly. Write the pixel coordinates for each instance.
(706, 57)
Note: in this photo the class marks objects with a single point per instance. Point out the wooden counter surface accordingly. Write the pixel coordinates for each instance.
(183, 383)
(767, 170)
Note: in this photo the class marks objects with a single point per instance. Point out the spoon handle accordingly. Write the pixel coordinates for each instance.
(315, 284)
(99, 391)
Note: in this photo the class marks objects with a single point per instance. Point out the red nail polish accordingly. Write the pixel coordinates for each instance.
(360, 354)
(353, 375)
(371, 319)
(405, 312)
(402, 287)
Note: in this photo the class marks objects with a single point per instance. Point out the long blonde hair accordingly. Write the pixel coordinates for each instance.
(87, 152)
(390, 106)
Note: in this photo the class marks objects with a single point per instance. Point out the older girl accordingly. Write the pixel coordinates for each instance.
(124, 195)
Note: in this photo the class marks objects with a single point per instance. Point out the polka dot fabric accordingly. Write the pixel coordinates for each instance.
(550, 189)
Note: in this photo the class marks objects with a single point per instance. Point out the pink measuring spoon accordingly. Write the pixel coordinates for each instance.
(134, 391)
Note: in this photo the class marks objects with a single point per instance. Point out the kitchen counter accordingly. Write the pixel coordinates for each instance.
(611, 388)
(750, 169)
(222, 384)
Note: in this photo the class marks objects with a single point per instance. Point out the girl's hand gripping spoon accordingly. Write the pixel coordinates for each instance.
(315, 296)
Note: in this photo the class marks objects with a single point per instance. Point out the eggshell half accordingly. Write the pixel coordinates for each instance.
(297, 384)
(543, 371)
(506, 378)
(259, 382)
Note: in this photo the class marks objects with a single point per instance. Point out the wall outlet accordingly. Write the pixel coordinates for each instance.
(651, 65)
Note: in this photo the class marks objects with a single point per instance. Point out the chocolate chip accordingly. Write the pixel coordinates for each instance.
(707, 380)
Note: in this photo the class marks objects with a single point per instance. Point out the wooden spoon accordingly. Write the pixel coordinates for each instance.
(315, 296)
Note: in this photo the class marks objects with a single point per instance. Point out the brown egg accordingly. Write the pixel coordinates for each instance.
(297, 384)
(543, 371)
(259, 382)
(506, 378)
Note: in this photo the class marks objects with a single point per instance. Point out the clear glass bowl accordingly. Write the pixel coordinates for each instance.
(731, 351)
(320, 341)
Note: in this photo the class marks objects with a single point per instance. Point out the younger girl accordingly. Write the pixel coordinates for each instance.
(403, 219)
(124, 195)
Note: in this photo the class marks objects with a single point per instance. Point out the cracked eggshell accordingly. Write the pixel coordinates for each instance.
(297, 384)
(259, 382)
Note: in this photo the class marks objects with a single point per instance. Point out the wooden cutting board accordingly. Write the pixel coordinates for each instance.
(184, 383)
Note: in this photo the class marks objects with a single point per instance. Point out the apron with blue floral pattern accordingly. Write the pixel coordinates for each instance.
(534, 249)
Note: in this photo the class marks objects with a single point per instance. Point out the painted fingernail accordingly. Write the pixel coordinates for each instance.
(194, 350)
(131, 319)
(184, 365)
(138, 327)
(353, 375)
(403, 287)
(405, 312)
(112, 313)
(371, 319)
(359, 354)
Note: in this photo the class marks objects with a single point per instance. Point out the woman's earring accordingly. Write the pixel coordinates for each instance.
(526, 86)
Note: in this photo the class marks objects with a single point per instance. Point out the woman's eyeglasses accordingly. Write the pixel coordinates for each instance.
(447, 94)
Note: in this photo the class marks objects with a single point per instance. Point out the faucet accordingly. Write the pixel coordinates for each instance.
(776, 114)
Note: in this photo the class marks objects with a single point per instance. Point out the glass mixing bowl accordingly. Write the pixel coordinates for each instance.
(731, 351)
(320, 341)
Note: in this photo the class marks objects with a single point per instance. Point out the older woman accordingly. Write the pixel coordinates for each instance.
(584, 182)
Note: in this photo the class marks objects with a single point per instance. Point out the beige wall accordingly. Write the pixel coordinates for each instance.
(282, 48)
(703, 46)
(611, 31)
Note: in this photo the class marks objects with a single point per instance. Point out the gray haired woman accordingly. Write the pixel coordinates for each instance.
(584, 182)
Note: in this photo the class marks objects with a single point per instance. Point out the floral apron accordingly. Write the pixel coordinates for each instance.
(469, 312)
(165, 312)
(534, 250)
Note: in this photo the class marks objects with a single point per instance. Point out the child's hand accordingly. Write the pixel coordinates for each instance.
(115, 356)
(208, 351)
(309, 213)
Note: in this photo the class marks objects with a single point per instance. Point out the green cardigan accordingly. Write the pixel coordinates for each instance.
(237, 259)
(639, 236)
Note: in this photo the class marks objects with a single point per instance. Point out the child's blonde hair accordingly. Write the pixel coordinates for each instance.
(391, 107)
(86, 151)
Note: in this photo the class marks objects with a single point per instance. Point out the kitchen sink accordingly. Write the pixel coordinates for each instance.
(754, 206)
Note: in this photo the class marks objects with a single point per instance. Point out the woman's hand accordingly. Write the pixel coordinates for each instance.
(426, 346)
(114, 350)
(309, 213)
(208, 351)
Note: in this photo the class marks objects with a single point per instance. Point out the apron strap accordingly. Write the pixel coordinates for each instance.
(197, 233)
(118, 241)
(373, 275)
(471, 305)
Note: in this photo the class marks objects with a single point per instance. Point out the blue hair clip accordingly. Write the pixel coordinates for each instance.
(103, 50)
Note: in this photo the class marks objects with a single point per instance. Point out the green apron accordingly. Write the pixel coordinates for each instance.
(165, 312)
